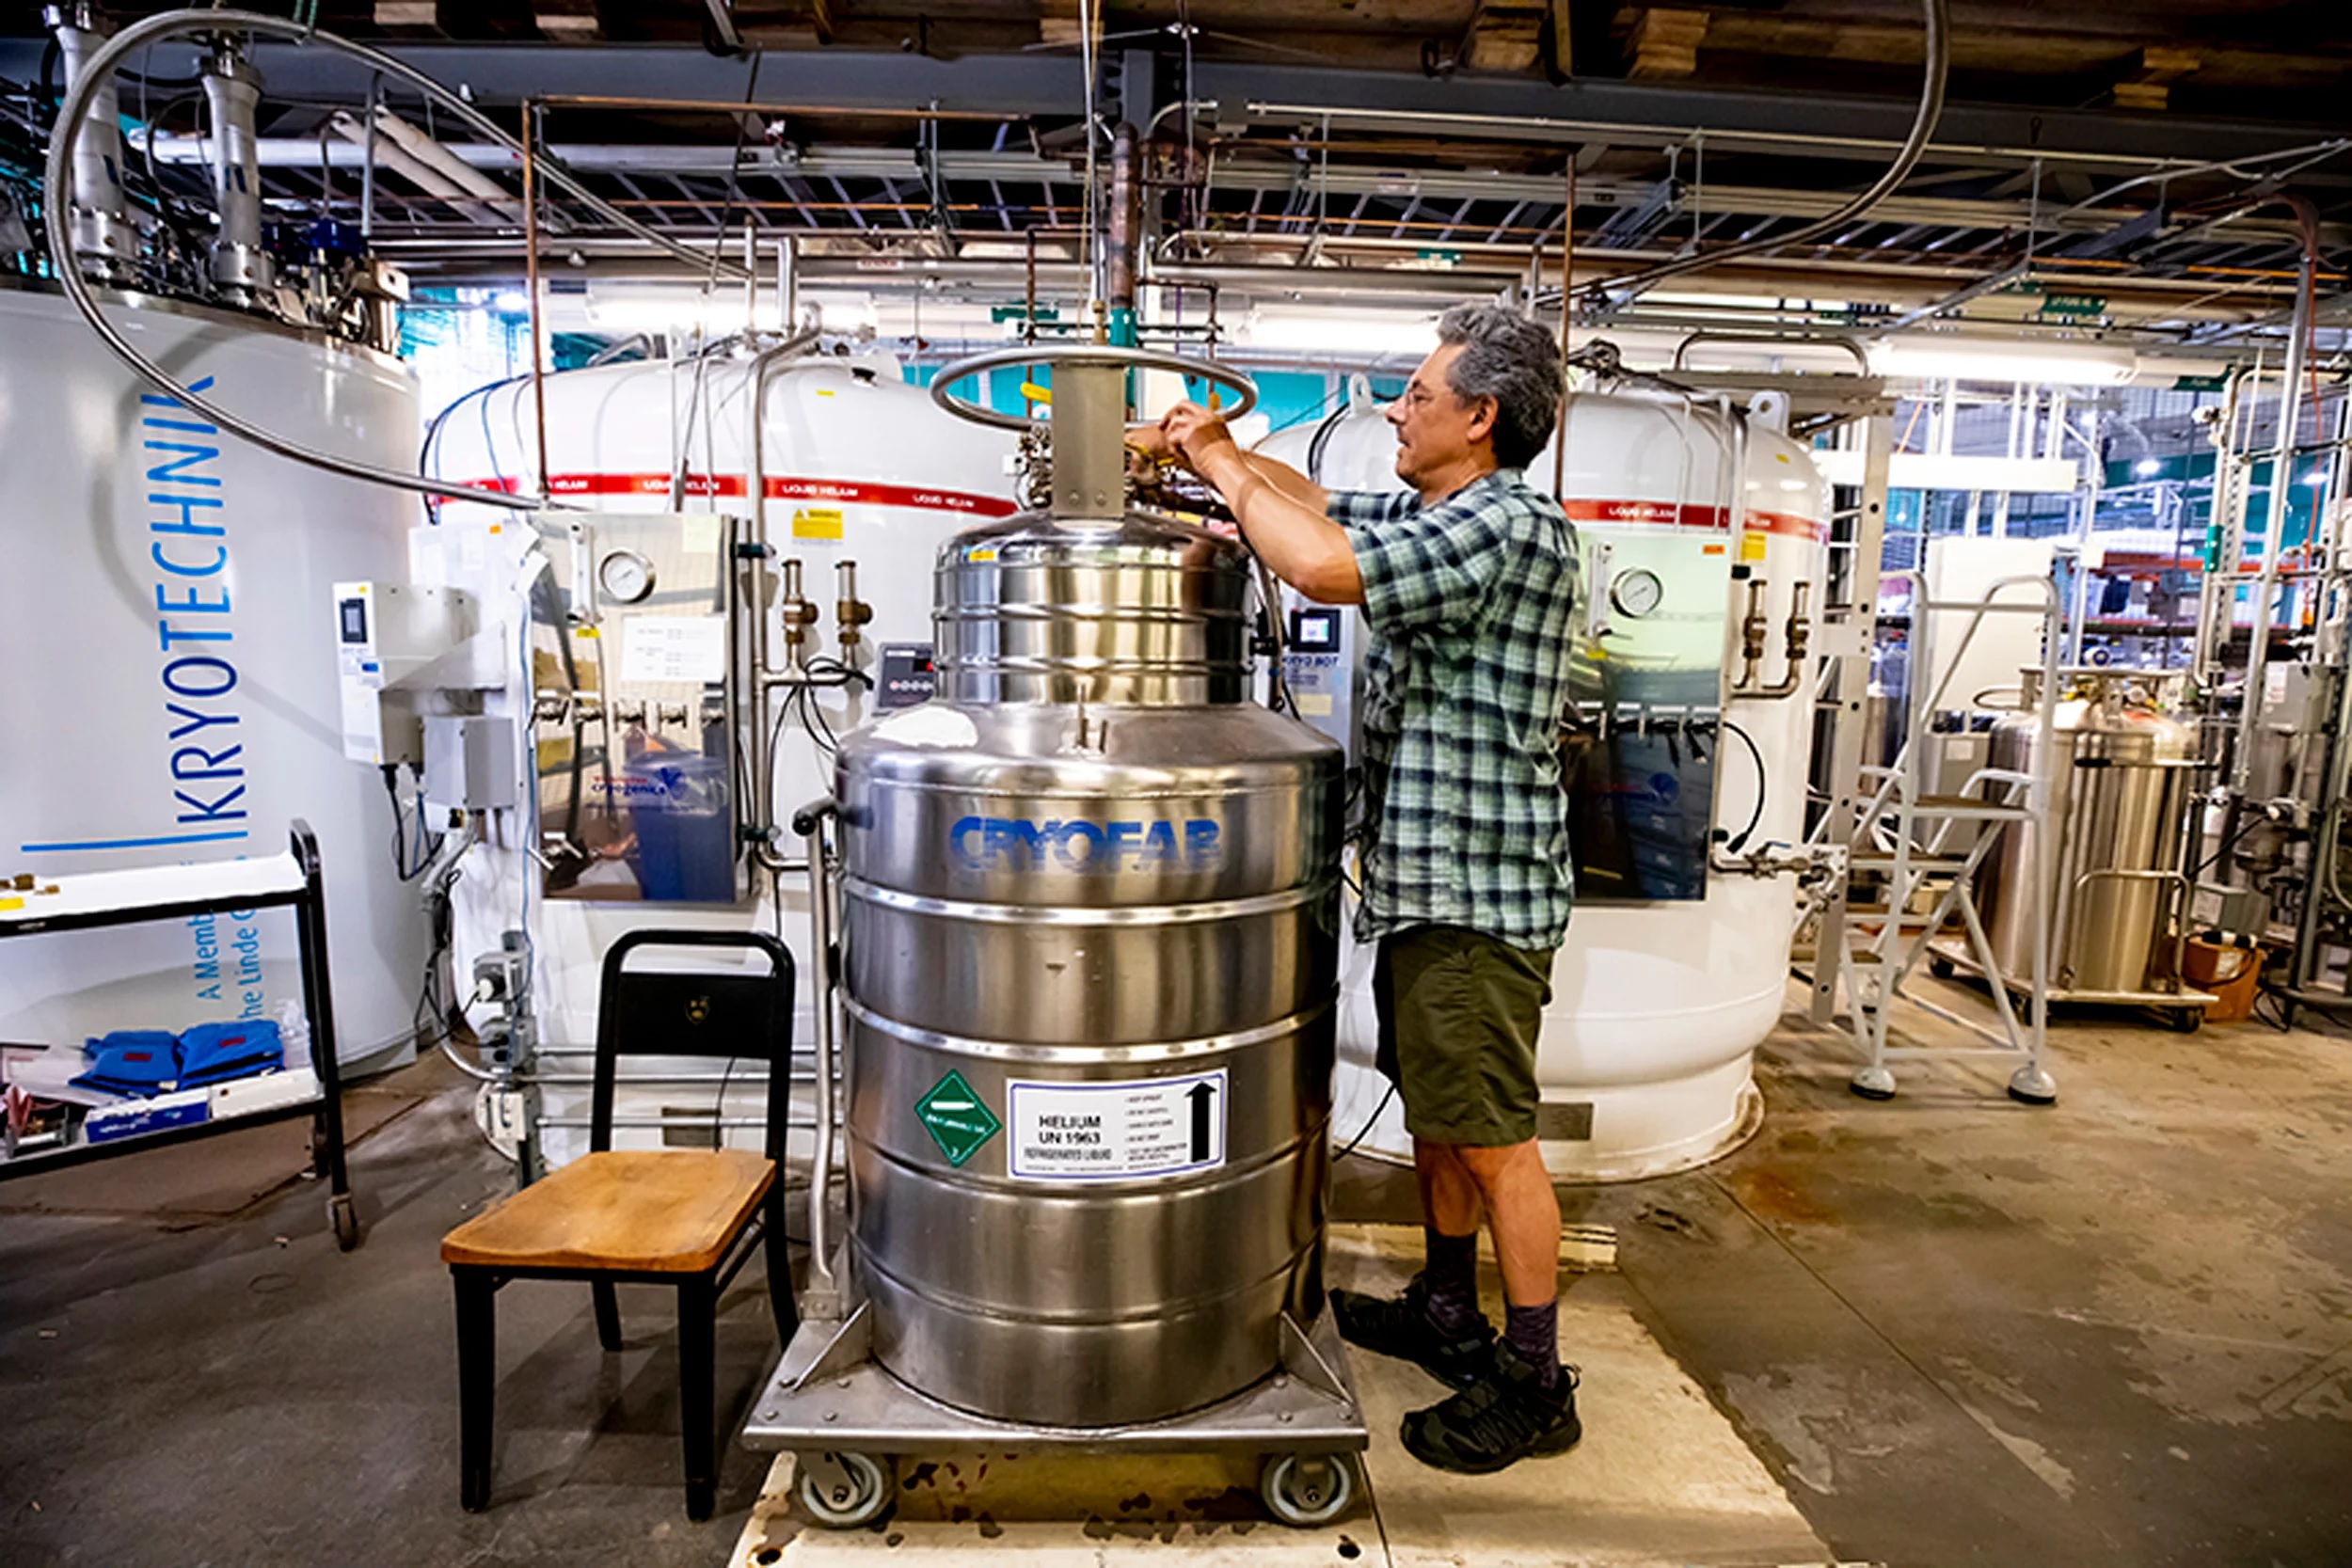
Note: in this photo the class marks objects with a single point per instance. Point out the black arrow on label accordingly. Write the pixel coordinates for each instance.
(1203, 1097)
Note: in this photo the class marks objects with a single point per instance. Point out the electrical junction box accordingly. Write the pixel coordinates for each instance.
(907, 676)
(468, 764)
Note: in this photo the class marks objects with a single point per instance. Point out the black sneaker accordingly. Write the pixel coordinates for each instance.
(1503, 1417)
(1401, 1326)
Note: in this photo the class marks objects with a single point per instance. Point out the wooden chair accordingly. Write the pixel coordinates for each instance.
(673, 1216)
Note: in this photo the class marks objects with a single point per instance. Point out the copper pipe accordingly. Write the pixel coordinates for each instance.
(531, 271)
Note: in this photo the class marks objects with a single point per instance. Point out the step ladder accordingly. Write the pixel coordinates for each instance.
(1919, 848)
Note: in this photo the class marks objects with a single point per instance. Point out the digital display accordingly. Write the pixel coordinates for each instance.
(1317, 628)
(354, 617)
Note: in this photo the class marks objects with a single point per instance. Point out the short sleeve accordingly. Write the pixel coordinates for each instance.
(1355, 508)
(1433, 569)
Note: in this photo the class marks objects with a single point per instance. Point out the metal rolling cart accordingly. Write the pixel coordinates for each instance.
(290, 881)
(846, 1418)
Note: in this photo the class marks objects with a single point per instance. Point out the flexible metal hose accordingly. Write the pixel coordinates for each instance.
(1937, 67)
(57, 198)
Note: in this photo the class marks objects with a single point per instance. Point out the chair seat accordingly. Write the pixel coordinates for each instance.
(658, 1211)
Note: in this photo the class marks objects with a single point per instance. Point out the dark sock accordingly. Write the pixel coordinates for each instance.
(1451, 1275)
(1535, 1333)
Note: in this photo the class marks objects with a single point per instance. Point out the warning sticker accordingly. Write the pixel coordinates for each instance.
(957, 1118)
(817, 522)
(1064, 1132)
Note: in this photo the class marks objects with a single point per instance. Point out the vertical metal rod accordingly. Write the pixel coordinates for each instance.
(823, 1291)
(2275, 530)
(367, 161)
(751, 278)
(531, 273)
(1567, 267)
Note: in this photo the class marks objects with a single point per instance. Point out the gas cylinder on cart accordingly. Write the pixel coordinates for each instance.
(858, 467)
(1658, 1003)
(174, 690)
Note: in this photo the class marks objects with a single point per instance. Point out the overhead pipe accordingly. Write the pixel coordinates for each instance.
(1123, 233)
(452, 167)
(391, 155)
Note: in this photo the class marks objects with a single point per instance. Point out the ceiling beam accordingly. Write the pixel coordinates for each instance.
(1861, 129)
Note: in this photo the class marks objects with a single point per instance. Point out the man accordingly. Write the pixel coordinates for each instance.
(1468, 583)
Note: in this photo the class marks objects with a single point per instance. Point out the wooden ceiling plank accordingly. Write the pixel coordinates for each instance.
(1665, 41)
(567, 21)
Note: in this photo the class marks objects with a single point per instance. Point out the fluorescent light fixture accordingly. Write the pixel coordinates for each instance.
(512, 301)
(674, 307)
(2317, 482)
(2148, 468)
(2058, 363)
(1351, 333)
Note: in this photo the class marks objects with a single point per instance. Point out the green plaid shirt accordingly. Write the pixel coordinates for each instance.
(1465, 822)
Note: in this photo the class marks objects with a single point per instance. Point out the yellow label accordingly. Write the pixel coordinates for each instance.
(824, 392)
(1711, 550)
(1313, 704)
(8, 904)
(981, 552)
(816, 522)
(1751, 547)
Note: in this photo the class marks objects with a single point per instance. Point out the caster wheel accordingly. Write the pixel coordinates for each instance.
(344, 1216)
(2187, 1021)
(843, 1491)
(1305, 1490)
(1942, 968)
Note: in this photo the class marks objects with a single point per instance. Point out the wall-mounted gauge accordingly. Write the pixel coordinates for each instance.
(625, 576)
(1636, 591)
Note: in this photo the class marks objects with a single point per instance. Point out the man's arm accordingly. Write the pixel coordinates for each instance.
(1282, 513)
(1151, 438)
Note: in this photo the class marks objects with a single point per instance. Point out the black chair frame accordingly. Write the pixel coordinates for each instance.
(658, 1013)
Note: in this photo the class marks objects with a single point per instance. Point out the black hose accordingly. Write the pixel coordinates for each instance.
(1756, 817)
(1937, 68)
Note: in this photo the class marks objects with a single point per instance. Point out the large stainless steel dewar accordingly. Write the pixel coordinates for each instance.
(2121, 773)
(1088, 966)
(1097, 888)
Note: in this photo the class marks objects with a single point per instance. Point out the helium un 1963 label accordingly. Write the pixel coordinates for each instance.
(1020, 844)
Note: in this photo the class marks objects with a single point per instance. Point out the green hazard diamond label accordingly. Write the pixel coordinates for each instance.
(957, 1120)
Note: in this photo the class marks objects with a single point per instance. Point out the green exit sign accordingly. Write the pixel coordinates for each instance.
(2073, 306)
(1002, 313)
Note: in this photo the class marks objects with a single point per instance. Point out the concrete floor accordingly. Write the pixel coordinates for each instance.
(1954, 1329)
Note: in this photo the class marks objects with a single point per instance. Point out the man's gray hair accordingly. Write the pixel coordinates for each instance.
(1509, 358)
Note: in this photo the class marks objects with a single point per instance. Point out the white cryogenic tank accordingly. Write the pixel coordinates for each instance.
(1647, 1048)
(172, 690)
(859, 466)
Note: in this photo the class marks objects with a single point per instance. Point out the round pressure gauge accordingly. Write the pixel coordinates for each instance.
(1636, 591)
(625, 576)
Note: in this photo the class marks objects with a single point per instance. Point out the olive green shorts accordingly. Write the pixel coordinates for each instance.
(1459, 1015)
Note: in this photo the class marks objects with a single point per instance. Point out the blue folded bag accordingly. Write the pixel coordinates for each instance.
(133, 1063)
(214, 1053)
